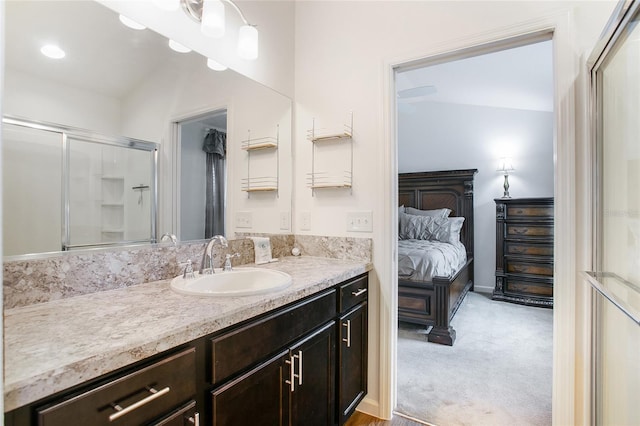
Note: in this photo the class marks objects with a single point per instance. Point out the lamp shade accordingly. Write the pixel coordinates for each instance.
(248, 42)
(505, 165)
(212, 18)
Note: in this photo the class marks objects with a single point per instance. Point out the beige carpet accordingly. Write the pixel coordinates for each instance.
(497, 373)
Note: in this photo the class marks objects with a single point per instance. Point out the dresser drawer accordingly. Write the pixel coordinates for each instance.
(525, 212)
(352, 293)
(515, 286)
(141, 396)
(528, 249)
(519, 266)
(236, 350)
(528, 230)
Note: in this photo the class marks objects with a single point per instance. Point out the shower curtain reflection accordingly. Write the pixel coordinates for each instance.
(215, 146)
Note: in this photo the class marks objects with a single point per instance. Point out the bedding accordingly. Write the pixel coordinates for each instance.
(421, 260)
(443, 229)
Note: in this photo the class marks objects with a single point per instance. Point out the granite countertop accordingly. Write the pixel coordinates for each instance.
(51, 346)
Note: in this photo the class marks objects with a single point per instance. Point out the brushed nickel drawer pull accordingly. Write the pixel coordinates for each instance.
(292, 374)
(195, 420)
(359, 292)
(122, 411)
(299, 368)
(348, 339)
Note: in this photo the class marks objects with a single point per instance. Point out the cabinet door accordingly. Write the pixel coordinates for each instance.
(258, 397)
(312, 395)
(352, 359)
(184, 416)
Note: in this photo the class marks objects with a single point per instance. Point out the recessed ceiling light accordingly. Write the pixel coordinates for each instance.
(52, 51)
(216, 66)
(178, 47)
(131, 23)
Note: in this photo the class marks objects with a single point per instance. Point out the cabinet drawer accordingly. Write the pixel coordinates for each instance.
(530, 212)
(524, 230)
(528, 249)
(353, 292)
(517, 266)
(154, 390)
(184, 416)
(528, 288)
(237, 350)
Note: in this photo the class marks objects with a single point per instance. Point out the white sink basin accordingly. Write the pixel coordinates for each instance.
(239, 282)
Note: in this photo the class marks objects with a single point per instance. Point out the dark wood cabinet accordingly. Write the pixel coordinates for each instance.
(352, 345)
(524, 251)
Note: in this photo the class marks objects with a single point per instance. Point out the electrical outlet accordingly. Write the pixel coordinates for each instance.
(285, 221)
(305, 221)
(244, 220)
(360, 221)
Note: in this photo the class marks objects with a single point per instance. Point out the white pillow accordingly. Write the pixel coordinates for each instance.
(414, 227)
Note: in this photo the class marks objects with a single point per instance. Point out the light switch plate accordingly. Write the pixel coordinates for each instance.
(305, 221)
(360, 221)
(285, 221)
(244, 220)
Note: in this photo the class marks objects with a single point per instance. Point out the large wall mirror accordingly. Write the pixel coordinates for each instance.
(121, 82)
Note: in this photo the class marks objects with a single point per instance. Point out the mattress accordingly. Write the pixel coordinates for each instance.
(421, 260)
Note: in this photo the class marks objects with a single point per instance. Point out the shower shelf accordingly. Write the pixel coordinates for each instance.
(333, 179)
(265, 183)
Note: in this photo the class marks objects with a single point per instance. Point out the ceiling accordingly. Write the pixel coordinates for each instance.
(111, 61)
(517, 78)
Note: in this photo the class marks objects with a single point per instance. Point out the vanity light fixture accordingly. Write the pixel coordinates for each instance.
(174, 45)
(131, 23)
(216, 66)
(210, 15)
(52, 51)
(505, 167)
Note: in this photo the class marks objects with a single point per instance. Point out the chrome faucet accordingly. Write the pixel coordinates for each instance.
(206, 266)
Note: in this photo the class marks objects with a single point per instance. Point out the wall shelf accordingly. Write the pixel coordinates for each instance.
(330, 179)
(264, 183)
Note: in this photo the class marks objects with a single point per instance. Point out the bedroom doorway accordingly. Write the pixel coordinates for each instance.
(472, 109)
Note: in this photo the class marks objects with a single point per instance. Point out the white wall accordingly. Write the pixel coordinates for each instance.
(343, 53)
(445, 136)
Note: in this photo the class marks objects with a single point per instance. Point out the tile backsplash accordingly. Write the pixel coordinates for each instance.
(38, 280)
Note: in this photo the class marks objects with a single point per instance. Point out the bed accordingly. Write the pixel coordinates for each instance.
(434, 300)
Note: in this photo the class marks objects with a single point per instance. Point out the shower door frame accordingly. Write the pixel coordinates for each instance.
(87, 136)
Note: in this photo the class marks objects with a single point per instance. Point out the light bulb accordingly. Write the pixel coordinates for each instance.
(52, 51)
(248, 42)
(216, 66)
(174, 45)
(213, 18)
(131, 23)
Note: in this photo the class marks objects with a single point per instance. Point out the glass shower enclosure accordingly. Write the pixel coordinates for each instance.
(67, 189)
(615, 282)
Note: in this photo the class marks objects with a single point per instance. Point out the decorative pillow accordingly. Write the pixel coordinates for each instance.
(433, 213)
(446, 230)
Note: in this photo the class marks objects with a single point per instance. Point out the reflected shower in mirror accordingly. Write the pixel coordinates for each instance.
(118, 81)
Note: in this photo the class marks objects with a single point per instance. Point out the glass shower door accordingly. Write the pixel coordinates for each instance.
(110, 194)
(616, 281)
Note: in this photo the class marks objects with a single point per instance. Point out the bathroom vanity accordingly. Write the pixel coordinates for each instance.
(147, 355)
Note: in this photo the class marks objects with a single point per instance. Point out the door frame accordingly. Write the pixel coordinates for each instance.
(570, 385)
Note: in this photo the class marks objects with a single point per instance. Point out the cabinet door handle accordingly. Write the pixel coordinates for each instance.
(291, 382)
(122, 411)
(348, 339)
(299, 367)
(195, 420)
(359, 292)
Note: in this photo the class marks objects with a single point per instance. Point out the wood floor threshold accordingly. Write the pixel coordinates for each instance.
(399, 419)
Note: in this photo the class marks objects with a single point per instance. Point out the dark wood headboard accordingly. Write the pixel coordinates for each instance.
(452, 189)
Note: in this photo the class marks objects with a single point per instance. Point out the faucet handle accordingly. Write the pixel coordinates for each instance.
(227, 262)
(188, 270)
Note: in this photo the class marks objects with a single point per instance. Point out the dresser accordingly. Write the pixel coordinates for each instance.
(524, 251)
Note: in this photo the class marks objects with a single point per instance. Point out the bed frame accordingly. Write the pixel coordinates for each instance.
(434, 303)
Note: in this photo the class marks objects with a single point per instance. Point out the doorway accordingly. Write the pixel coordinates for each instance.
(466, 110)
(202, 175)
